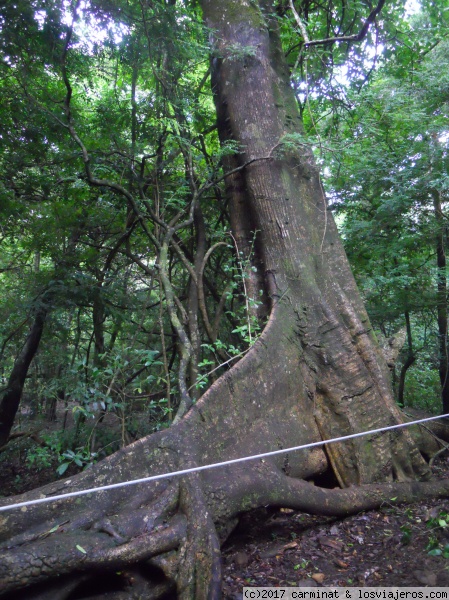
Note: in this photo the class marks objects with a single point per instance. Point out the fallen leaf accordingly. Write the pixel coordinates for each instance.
(331, 543)
(291, 545)
(370, 572)
(271, 552)
(433, 513)
(341, 564)
(319, 577)
(334, 530)
(241, 559)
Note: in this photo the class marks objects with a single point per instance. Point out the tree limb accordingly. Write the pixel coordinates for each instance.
(357, 37)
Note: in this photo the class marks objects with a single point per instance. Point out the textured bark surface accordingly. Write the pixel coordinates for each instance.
(344, 378)
(314, 373)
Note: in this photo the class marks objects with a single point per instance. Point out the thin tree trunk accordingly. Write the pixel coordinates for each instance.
(408, 361)
(12, 395)
(442, 301)
(98, 326)
(192, 304)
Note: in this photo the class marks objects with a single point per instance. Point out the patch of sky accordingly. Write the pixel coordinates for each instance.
(89, 29)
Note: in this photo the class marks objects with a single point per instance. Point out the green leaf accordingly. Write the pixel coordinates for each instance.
(62, 468)
(81, 549)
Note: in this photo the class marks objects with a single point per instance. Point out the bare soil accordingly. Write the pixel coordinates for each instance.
(387, 547)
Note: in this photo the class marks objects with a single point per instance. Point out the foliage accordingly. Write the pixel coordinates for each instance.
(129, 90)
(80, 459)
(423, 388)
(438, 524)
(112, 195)
(387, 159)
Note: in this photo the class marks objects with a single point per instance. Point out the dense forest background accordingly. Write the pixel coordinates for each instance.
(121, 303)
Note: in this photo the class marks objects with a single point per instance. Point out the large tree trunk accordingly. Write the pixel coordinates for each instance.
(318, 316)
(314, 373)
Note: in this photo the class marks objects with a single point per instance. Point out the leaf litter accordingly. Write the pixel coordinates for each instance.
(380, 548)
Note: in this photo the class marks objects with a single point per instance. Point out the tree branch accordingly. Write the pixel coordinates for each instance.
(357, 37)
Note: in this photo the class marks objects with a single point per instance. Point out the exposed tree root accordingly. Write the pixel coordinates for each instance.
(200, 566)
(82, 552)
(177, 534)
(59, 590)
(33, 435)
(337, 502)
(167, 534)
(432, 437)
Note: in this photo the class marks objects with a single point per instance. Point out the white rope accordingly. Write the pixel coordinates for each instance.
(214, 465)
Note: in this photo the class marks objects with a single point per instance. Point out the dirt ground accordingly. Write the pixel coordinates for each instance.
(282, 547)
(386, 547)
